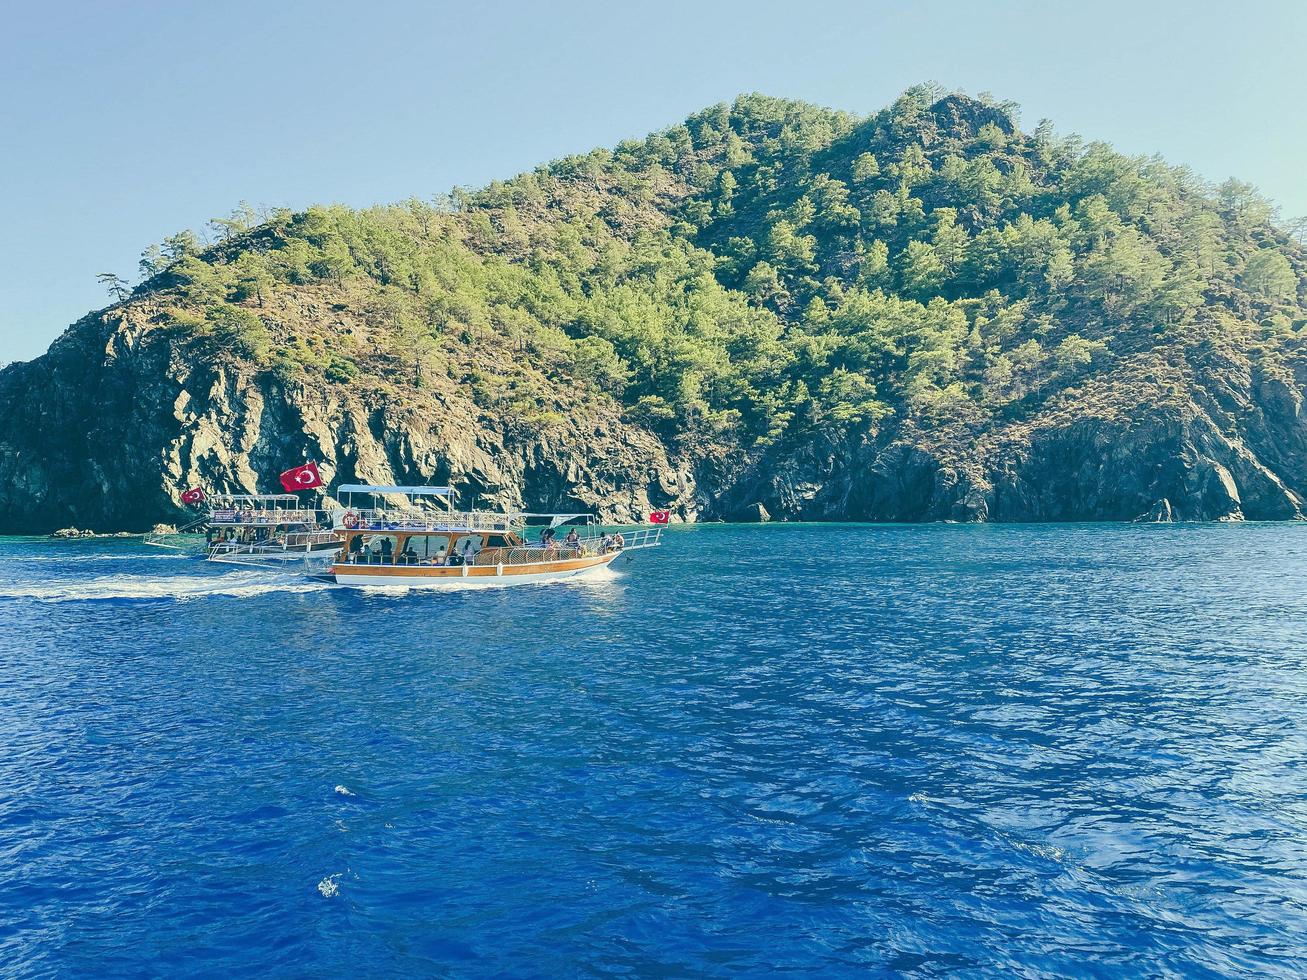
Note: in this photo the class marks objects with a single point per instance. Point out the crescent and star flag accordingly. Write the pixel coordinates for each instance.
(304, 477)
(660, 517)
(193, 496)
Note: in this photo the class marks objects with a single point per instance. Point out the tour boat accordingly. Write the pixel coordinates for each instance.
(425, 543)
(253, 528)
(249, 528)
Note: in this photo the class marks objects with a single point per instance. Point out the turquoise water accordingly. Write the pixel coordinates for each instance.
(828, 750)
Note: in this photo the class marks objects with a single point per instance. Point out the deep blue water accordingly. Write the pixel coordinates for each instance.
(828, 750)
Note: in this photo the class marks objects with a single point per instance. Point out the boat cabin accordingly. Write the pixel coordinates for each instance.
(424, 529)
(395, 546)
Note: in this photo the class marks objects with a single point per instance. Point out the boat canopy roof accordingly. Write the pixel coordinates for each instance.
(411, 491)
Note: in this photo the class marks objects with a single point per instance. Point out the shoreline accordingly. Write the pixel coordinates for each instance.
(76, 534)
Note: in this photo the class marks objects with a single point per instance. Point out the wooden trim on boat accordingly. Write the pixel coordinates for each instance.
(470, 571)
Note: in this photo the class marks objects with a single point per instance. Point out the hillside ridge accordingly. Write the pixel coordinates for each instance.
(771, 310)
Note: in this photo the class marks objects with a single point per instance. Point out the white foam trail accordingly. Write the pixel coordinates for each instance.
(178, 587)
(344, 791)
(121, 556)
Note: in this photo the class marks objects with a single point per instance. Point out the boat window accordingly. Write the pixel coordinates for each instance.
(377, 544)
(496, 541)
(428, 546)
(461, 544)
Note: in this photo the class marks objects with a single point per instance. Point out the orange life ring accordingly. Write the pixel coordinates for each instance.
(350, 520)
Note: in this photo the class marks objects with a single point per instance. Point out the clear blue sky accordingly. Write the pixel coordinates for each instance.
(123, 123)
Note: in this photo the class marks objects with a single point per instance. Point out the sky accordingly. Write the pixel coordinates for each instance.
(123, 123)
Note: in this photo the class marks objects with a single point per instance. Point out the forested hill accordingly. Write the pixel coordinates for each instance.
(773, 308)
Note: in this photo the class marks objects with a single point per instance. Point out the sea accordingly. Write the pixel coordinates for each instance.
(811, 750)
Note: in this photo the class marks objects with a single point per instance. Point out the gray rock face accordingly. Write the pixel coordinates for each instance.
(110, 426)
(1234, 448)
(1160, 513)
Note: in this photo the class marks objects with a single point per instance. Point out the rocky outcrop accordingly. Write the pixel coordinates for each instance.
(959, 116)
(1160, 513)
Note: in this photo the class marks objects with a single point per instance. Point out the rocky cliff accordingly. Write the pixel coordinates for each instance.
(105, 428)
(773, 311)
(1156, 439)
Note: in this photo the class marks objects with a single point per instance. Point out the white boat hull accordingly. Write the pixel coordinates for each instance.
(452, 579)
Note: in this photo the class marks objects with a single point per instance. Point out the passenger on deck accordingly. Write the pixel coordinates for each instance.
(408, 556)
(573, 540)
(605, 544)
(442, 556)
(547, 537)
(619, 542)
(386, 550)
(469, 554)
(356, 548)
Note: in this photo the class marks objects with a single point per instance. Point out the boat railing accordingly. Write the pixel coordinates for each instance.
(235, 517)
(305, 539)
(640, 537)
(527, 554)
(391, 520)
(295, 543)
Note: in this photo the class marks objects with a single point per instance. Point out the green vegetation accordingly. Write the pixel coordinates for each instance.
(762, 269)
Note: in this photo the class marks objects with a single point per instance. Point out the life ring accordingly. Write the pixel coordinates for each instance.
(350, 520)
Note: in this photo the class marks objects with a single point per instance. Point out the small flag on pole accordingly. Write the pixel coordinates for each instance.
(304, 477)
(660, 517)
(193, 496)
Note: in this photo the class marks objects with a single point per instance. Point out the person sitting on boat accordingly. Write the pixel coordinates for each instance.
(386, 550)
(573, 540)
(469, 553)
(442, 556)
(619, 542)
(408, 556)
(605, 543)
(547, 537)
(356, 547)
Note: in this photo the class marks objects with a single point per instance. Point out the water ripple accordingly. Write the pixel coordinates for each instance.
(1029, 750)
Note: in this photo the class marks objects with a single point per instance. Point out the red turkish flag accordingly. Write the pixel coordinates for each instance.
(304, 477)
(660, 517)
(193, 496)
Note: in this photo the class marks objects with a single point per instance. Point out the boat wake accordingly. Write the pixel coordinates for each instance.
(180, 588)
(98, 557)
